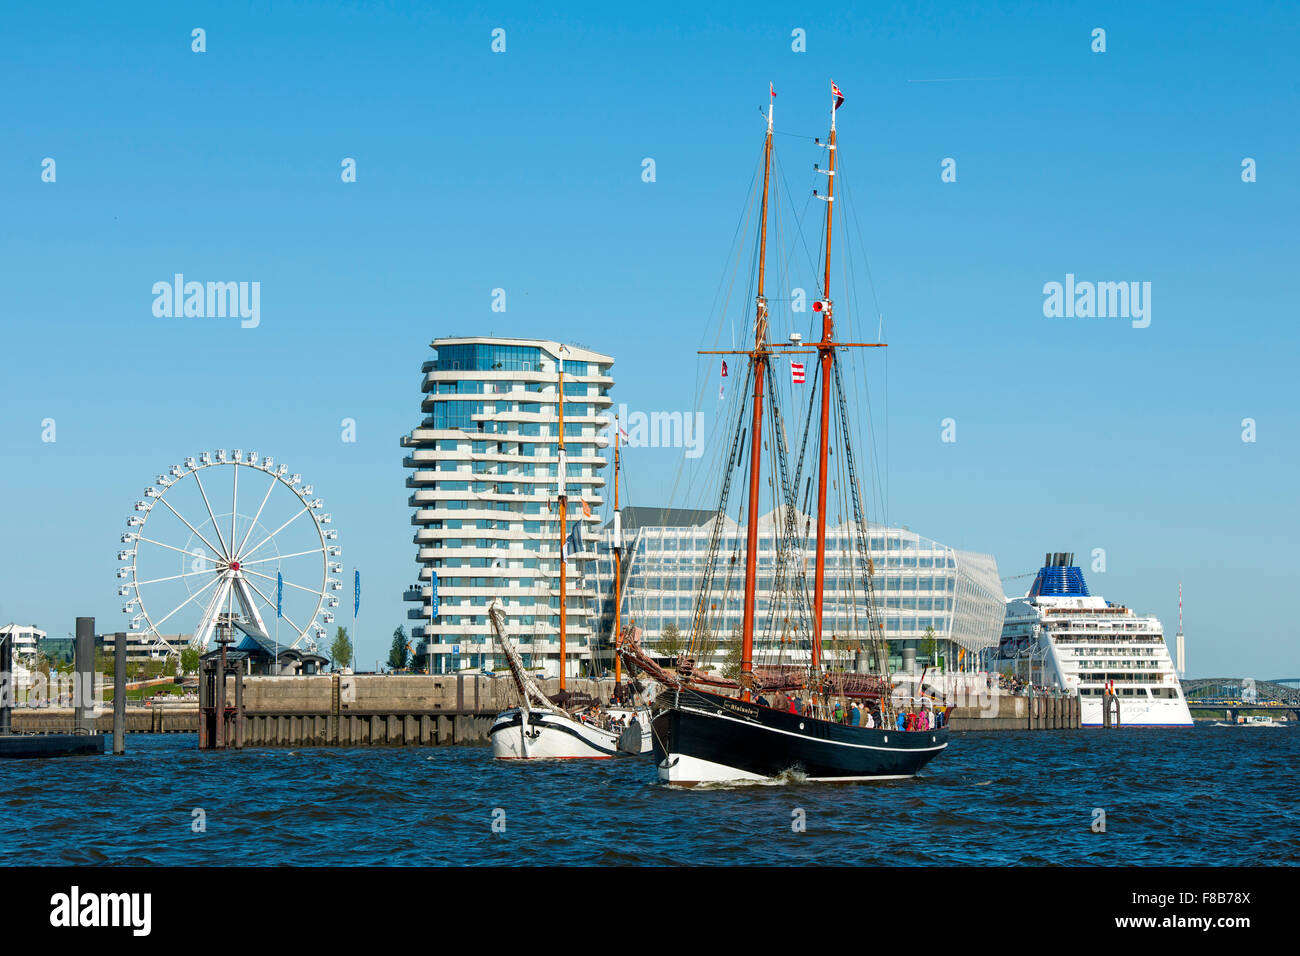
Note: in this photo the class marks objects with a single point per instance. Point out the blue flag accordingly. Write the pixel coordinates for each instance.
(433, 596)
(573, 544)
(279, 594)
(356, 593)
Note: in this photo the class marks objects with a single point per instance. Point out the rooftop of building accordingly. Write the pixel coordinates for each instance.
(573, 352)
(635, 518)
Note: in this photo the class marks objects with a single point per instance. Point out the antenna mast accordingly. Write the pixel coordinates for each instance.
(1179, 654)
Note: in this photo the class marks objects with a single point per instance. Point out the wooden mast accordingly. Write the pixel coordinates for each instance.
(618, 571)
(826, 356)
(564, 501)
(826, 351)
(758, 362)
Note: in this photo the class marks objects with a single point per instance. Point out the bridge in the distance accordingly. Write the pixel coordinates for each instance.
(1233, 694)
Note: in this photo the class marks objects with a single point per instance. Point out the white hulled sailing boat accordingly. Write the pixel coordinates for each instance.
(569, 725)
(718, 729)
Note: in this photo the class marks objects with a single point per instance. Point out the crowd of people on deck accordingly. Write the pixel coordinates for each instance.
(924, 715)
(598, 717)
(1019, 687)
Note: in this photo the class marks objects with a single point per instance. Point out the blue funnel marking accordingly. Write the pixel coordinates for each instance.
(1059, 582)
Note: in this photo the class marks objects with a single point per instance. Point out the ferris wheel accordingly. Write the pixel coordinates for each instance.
(196, 557)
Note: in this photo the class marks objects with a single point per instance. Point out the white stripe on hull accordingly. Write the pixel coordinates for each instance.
(683, 770)
(554, 736)
(679, 768)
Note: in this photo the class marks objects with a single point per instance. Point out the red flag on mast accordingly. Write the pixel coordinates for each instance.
(835, 92)
(724, 368)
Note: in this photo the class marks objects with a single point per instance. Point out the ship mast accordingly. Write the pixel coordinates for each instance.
(618, 571)
(826, 347)
(563, 501)
(826, 356)
(758, 362)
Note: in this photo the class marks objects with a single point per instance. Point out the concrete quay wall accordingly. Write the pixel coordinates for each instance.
(369, 710)
(373, 710)
(1009, 712)
(172, 719)
(381, 694)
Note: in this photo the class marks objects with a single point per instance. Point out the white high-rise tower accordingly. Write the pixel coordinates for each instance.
(484, 479)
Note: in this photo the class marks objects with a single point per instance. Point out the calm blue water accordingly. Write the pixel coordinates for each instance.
(1204, 796)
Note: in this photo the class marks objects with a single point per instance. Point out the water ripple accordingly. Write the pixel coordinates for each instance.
(1169, 797)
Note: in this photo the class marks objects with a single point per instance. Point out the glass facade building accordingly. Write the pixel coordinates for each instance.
(919, 583)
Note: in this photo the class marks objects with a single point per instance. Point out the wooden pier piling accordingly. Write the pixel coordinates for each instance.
(83, 678)
(8, 688)
(119, 693)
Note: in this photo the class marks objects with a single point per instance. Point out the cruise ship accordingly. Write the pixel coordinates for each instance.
(1060, 635)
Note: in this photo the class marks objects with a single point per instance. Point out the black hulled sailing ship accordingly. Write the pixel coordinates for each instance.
(741, 727)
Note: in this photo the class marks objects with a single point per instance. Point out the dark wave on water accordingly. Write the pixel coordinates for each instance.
(1207, 796)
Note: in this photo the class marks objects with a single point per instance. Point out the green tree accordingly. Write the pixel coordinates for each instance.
(341, 649)
(731, 662)
(399, 655)
(189, 659)
(929, 645)
(670, 641)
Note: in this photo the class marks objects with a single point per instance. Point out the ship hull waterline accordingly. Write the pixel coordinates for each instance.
(547, 735)
(702, 738)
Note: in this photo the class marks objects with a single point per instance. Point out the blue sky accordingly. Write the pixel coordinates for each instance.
(522, 170)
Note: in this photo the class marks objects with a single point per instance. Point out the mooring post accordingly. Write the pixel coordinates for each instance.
(83, 677)
(220, 702)
(8, 690)
(1109, 719)
(205, 703)
(119, 693)
(239, 710)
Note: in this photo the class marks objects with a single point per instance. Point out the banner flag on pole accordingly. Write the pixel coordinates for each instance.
(279, 594)
(572, 544)
(356, 593)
